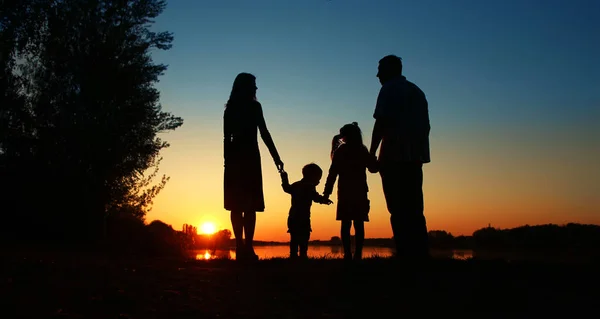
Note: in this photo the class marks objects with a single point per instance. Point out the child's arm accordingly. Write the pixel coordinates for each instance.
(332, 176)
(285, 182)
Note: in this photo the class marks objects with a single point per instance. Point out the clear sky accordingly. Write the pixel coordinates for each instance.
(513, 89)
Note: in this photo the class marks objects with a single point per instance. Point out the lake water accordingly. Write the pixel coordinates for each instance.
(282, 251)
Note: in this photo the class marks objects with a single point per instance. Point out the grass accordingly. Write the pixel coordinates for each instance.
(89, 286)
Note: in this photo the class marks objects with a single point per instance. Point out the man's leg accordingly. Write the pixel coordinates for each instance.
(403, 189)
(417, 224)
(391, 182)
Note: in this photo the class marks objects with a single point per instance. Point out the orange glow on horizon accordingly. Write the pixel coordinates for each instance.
(493, 189)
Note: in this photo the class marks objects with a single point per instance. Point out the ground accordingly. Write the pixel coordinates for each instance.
(87, 286)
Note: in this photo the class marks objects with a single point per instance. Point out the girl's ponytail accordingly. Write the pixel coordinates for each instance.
(352, 134)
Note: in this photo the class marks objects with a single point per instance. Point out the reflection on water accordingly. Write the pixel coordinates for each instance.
(206, 254)
(462, 254)
(336, 249)
(282, 251)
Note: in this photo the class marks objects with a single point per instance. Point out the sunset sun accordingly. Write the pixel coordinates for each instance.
(208, 228)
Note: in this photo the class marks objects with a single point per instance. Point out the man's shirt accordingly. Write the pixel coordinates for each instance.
(402, 110)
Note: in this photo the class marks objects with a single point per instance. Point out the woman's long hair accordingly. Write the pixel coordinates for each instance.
(349, 134)
(243, 89)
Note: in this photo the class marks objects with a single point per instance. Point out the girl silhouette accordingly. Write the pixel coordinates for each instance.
(243, 175)
(350, 160)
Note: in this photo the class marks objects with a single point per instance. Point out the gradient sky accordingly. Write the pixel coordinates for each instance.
(513, 90)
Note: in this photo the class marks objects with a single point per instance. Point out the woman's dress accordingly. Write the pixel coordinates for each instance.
(243, 186)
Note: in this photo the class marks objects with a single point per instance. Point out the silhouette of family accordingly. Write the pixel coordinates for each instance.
(400, 132)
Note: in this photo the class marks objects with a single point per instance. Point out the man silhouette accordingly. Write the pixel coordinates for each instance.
(402, 127)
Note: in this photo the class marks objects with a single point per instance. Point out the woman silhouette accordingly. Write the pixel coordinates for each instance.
(243, 173)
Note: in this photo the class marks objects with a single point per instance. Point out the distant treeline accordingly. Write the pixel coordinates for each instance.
(571, 237)
(158, 238)
(549, 238)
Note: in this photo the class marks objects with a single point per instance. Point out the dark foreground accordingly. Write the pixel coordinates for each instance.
(91, 287)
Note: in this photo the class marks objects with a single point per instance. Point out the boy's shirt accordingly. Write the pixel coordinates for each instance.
(303, 195)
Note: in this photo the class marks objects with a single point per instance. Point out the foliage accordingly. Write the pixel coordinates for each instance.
(80, 115)
(223, 235)
(128, 235)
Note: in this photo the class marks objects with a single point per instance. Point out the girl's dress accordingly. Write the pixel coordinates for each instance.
(350, 162)
(243, 186)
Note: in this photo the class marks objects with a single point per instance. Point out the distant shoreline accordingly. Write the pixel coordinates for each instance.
(568, 239)
(369, 242)
(314, 242)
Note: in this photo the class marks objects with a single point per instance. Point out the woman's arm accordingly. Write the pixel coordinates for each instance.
(266, 137)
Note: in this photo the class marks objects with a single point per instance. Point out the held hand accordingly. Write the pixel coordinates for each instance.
(375, 167)
(279, 165)
(373, 151)
(326, 200)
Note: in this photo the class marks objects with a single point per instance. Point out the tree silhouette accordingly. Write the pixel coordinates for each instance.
(80, 115)
(222, 238)
(441, 239)
(336, 240)
(224, 234)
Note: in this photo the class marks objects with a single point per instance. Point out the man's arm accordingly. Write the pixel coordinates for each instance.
(376, 137)
(381, 112)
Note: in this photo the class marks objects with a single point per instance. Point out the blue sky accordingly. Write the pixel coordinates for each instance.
(513, 89)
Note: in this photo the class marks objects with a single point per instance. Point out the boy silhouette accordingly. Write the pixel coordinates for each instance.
(303, 193)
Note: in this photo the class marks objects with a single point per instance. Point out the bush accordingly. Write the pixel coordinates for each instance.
(128, 235)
